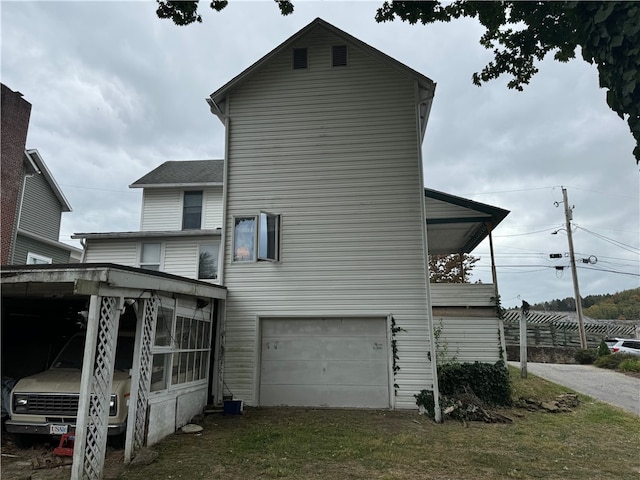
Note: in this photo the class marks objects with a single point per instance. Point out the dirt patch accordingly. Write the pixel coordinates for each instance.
(38, 462)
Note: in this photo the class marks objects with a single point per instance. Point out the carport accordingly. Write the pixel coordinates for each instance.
(108, 290)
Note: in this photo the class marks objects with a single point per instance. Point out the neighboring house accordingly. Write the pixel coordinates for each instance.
(321, 213)
(180, 224)
(32, 201)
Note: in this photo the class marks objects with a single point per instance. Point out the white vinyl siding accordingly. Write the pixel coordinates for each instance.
(162, 209)
(212, 208)
(105, 251)
(335, 152)
(468, 317)
(179, 255)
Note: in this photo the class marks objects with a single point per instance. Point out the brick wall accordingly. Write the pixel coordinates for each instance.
(15, 112)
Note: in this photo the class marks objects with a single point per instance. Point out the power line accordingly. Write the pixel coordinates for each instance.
(618, 244)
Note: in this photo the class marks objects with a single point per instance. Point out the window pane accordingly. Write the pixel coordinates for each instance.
(208, 261)
(192, 210)
(243, 239)
(269, 231)
(150, 256)
(158, 372)
(197, 368)
(163, 327)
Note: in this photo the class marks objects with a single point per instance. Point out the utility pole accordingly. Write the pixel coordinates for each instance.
(576, 289)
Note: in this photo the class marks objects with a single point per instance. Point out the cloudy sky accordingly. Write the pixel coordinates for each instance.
(115, 92)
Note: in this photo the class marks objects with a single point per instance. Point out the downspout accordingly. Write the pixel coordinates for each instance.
(83, 242)
(494, 277)
(425, 257)
(218, 361)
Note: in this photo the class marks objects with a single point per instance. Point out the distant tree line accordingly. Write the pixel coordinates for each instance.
(623, 305)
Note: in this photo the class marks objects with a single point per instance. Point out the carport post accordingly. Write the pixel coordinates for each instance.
(95, 388)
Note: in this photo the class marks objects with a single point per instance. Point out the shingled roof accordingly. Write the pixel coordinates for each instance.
(183, 173)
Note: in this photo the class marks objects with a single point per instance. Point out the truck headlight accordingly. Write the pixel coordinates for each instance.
(20, 403)
(113, 405)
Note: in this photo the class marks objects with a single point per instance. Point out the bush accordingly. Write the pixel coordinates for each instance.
(630, 365)
(603, 349)
(424, 400)
(612, 361)
(585, 357)
(488, 382)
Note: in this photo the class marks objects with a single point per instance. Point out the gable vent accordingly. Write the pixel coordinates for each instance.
(339, 56)
(299, 58)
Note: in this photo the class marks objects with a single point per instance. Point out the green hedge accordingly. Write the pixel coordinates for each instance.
(489, 382)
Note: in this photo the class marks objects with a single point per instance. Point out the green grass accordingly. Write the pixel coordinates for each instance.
(593, 441)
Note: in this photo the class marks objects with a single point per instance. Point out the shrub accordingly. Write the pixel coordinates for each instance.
(425, 402)
(630, 365)
(603, 349)
(585, 357)
(489, 382)
(612, 361)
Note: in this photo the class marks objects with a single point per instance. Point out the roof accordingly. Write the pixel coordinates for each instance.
(183, 173)
(78, 279)
(34, 159)
(146, 234)
(427, 86)
(456, 224)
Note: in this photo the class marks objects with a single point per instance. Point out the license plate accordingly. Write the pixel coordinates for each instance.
(58, 429)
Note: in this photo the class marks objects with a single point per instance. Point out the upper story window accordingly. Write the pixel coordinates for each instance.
(339, 55)
(244, 239)
(192, 210)
(300, 58)
(35, 259)
(208, 261)
(256, 238)
(150, 255)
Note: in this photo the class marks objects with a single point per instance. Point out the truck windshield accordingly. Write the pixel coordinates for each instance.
(72, 354)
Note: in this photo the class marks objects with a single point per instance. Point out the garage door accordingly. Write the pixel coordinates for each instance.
(325, 362)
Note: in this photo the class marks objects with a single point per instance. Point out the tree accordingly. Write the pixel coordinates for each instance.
(521, 33)
(452, 268)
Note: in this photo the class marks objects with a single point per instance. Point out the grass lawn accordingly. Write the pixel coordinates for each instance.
(595, 441)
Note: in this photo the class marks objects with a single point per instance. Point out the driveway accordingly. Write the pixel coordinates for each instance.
(606, 385)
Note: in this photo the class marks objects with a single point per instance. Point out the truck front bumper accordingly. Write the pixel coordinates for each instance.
(36, 428)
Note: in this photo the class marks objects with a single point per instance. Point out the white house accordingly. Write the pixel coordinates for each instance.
(321, 213)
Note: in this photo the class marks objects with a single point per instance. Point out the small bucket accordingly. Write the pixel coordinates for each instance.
(232, 407)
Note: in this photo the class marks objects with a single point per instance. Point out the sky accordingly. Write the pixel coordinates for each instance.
(116, 91)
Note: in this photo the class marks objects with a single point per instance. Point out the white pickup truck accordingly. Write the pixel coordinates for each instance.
(47, 403)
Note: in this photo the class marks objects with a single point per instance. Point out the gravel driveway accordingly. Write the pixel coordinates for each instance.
(606, 385)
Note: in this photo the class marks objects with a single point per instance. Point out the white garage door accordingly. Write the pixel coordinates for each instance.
(325, 362)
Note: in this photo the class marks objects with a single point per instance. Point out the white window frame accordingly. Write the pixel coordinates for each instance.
(39, 259)
(160, 263)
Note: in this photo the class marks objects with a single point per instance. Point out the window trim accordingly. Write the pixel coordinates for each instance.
(35, 256)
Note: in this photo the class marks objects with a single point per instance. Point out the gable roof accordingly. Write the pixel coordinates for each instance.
(35, 162)
(456, 224)
(183, 173)
(426, 86)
